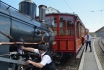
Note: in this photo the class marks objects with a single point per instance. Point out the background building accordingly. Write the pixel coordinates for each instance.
(100, 32)
(92, 34)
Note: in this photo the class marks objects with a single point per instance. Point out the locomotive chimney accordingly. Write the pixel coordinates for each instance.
(42, 9)
(28, 7)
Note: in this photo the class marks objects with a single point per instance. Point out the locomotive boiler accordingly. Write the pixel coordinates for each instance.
(16, 24)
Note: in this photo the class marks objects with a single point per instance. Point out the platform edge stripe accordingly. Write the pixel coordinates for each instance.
(82, 61)
(96, 57)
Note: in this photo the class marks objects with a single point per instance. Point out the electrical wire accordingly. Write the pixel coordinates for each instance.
(89, 11)
(68, 6)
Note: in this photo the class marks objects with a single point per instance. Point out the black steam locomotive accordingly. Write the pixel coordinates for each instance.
(16, 24)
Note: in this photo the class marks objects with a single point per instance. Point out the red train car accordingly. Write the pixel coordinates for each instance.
(69, 32)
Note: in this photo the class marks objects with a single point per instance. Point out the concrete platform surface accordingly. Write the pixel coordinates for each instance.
(90, 60)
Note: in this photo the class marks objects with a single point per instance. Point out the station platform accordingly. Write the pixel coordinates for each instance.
(90, 60)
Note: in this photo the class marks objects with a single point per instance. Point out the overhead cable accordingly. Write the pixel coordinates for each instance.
(68, 5)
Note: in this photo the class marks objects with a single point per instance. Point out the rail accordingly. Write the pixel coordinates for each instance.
(102, 42)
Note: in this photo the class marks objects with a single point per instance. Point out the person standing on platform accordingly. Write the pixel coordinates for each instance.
(88, 42)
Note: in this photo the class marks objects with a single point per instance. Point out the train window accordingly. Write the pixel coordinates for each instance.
(70, 32)
(62, 25)
(77, 29)
(82, 30)
(69, 24)
(62, 32)
(62, 18)
(55, 32)
(62, 28)
(62, 22)
(47, 19)
(66, 25)
(54, 24)
(70, 19)
(54, 21)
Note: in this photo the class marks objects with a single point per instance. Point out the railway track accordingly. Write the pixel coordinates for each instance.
(99, 50)
(68, 64)
(73, 64)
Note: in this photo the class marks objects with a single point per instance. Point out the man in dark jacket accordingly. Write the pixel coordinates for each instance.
(46, 62)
